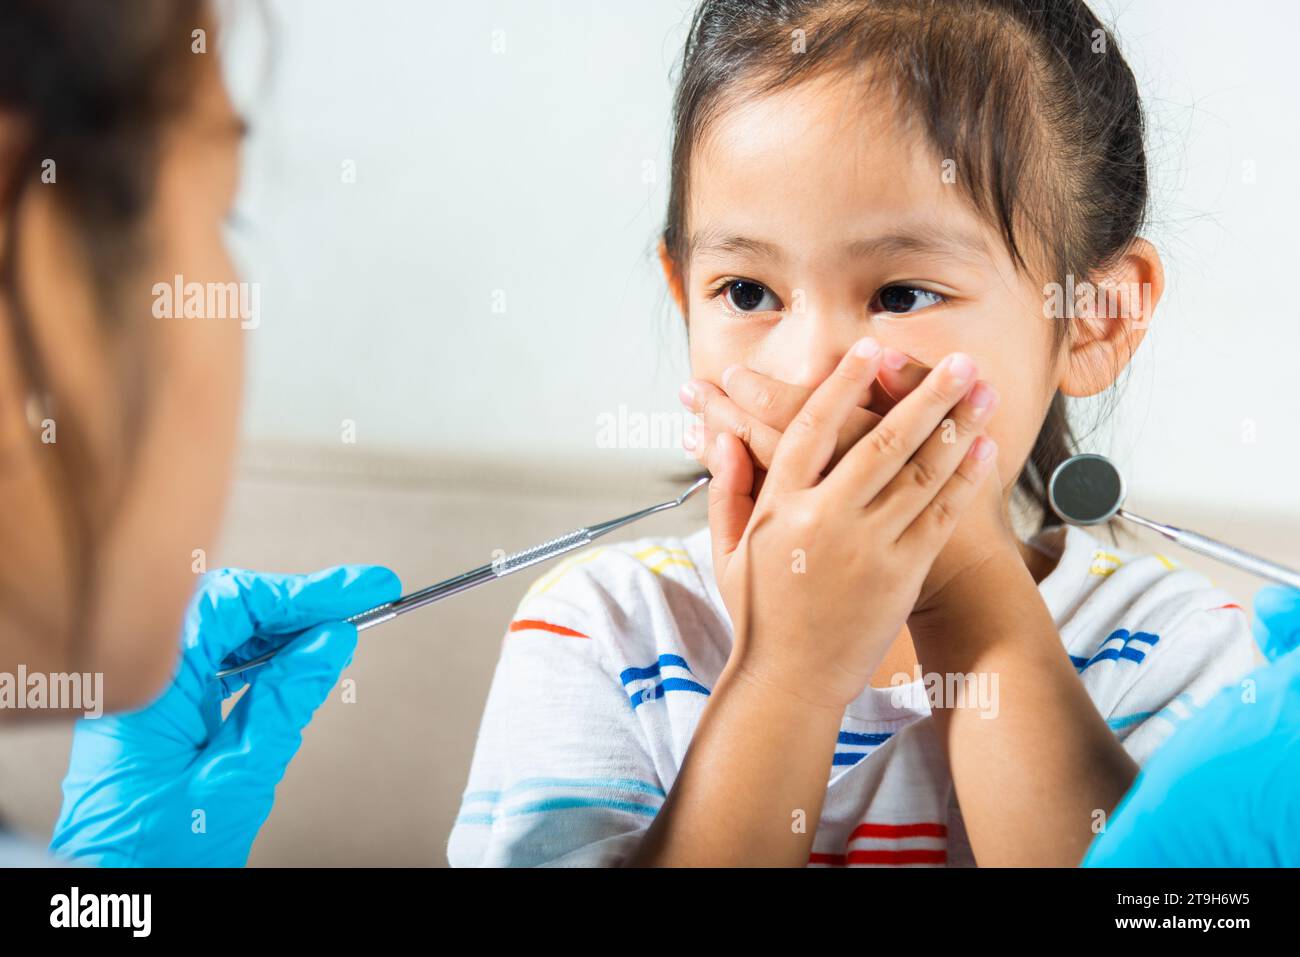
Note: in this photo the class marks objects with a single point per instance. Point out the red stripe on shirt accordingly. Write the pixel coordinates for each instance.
(1231, 604)
(921, 855)
(836, 860)
(890, 832)
(895, 831)
(536, 624)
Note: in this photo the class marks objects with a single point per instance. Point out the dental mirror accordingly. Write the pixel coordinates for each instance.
(1088, 489)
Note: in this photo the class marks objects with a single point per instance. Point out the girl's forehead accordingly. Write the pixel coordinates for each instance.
(828, 163)
(905, 237)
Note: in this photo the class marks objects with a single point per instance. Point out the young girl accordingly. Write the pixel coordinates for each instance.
(861, 191)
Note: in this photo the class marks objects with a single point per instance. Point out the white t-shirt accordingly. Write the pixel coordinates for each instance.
(609, 661)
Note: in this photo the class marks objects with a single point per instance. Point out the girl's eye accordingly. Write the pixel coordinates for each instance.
(904, 299)
(745, 296)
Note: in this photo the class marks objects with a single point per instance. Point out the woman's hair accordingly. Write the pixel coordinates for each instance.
(89, 86)
(1030, 100)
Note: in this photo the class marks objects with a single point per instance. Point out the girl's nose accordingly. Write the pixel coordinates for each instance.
(817, 345)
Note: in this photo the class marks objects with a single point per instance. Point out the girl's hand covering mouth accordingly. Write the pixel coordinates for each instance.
(757, 408)
(820, 570)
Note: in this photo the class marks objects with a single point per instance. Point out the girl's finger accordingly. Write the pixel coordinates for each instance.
(918, 482)
(934, 525)
(720, 414)
(872, 464)
(702, 441)
(899, 375)
(772, 402)
(699, 442)
(731, 501)
(808, 444)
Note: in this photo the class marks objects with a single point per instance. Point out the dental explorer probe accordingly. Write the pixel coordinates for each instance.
(498, 568)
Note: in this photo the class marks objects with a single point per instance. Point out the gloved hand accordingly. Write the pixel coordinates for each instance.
(172, 785)
(1277, 620)
(1224, 791)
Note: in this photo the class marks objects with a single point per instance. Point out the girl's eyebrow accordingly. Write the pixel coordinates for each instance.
(949, 244)
(946, 243)
(711, 241)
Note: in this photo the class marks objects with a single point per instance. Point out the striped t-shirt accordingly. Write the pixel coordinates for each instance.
(608, 664)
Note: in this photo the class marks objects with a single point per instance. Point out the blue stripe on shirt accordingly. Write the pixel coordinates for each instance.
(1126, 651)
(660, 688)
(652, 671)
(668, 684)
(560, 803)
(871, 740)
(631, 785)
(856, 737)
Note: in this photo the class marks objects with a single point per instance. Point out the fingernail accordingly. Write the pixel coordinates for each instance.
(866, 348)
(960, 368)
(687, 394)
(894, 359)
(727, 374)
(982, 396)
(984, 447)
(691, 439)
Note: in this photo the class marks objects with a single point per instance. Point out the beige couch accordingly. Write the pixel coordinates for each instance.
(378, 781)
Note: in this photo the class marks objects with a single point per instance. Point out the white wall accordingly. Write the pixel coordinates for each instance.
(541, 171)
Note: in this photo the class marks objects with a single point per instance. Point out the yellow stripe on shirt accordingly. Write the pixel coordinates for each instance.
(1099, 566)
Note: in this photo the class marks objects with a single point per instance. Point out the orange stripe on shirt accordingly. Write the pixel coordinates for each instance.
(1231, 604)
(536, 624)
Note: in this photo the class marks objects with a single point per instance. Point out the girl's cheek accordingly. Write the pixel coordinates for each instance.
(717, 345)
(1014, 427)
(706, 357)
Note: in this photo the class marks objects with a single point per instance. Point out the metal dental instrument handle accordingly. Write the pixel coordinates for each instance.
(499, 568)
(1088, 489)
(1218, 550)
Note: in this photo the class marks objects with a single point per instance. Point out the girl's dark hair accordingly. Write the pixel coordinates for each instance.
(1030, 99)
(89, 86)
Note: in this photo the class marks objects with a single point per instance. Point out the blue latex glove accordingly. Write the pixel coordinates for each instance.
(172, 785)
(1277, 620)
(1224, 791)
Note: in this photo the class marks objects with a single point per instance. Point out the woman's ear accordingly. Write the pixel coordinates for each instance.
(13, 412)
(673, 276)
(1111, 313)
(13, 137)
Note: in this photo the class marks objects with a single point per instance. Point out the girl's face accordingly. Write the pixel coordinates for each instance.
(814, 219)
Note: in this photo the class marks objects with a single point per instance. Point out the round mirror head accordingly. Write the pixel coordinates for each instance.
(1086, 490)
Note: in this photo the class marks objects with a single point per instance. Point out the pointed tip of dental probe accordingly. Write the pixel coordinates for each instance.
(698, 484)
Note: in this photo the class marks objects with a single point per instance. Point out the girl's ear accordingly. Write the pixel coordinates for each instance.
(673, 276)
(1111, 314)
